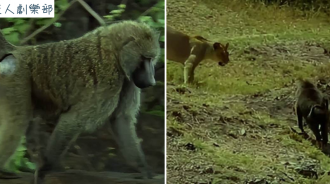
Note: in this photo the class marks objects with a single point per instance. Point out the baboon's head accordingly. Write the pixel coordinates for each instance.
(221, 53)
(139, 57)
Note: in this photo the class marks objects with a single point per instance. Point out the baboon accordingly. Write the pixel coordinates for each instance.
(191, 50)
(312, 106)
(80, 83)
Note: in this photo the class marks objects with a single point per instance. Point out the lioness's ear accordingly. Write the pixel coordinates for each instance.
(226, 46)
(216, 45)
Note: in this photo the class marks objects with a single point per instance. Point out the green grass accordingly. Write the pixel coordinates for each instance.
(265, 147)
(242, 77)
(242, 28)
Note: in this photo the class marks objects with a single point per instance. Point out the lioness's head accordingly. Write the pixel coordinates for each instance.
(220, 53)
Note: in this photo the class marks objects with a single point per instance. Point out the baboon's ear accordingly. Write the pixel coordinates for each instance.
(216, 45)
(226, 47)
(125, 60)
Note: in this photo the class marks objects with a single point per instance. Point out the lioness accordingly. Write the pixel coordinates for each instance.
(191, 50)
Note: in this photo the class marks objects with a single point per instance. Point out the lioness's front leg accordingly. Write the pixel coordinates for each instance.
(189, 69)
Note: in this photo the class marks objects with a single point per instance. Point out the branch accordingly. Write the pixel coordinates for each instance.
(85, 5)
(47, 25)
(92, 12)
(146, 12)
(31, 27)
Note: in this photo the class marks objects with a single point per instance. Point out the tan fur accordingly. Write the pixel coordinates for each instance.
(81, 83)
(191, 50)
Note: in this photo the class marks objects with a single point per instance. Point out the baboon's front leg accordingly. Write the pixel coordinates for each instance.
(129, 143)
(67, 129)
(315, 129)
(123, 127)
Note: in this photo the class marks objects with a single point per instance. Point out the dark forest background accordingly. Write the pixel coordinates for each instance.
(98, 151)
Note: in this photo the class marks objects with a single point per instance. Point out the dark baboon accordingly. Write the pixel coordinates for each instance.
(81, 83)
(312, 106)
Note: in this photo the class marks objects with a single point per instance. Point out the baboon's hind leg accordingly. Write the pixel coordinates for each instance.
(13, 124)
(299, 119)
(15, 110)
(316, 131)
(324, 134)
(10, 136)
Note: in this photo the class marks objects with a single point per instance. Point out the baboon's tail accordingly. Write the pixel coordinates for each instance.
(5, 47)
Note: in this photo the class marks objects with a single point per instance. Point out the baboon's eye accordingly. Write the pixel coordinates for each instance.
(143, 60)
